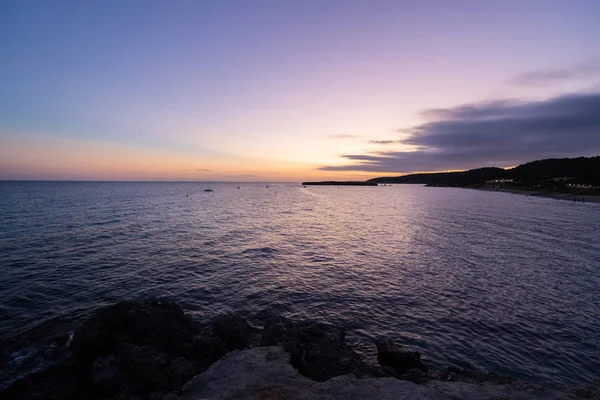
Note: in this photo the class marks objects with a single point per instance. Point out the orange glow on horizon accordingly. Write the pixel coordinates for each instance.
(42, 157)
(45, 157)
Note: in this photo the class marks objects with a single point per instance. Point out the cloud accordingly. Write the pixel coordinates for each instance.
(384, 141)
(498, 133)
(549, 77)
(243, 176)
(197, 169)
(343, 136)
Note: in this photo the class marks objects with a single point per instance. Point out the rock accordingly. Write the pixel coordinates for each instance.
(416, 375)
(156, 396)
(391, 354)
(275, 331)
(131, 350)
(280, 330)
(105, 373)
(453, 373)
(266, 373)
(61, 340)
(205, 350)
(146, 348)
(453, 369)
(145, 369)
(583, 393)
(450, 373)
(317, 350)
(179, 372)
(496, 391)
(159, 324)
(233, 330)
(389, 371)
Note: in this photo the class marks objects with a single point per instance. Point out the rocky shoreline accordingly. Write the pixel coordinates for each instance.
(153, 350)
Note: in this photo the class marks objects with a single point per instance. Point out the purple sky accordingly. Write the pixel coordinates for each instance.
(293, 90)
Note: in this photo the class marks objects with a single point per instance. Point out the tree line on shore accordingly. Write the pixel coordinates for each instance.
(581, 170)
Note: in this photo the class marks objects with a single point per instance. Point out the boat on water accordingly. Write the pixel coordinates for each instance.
(208, 190)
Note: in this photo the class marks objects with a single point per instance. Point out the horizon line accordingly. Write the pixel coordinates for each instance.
(135, 181)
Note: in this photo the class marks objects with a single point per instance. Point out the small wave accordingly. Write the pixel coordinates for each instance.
(18, 357)
(108, 222)
(260, 250)
(19, 364)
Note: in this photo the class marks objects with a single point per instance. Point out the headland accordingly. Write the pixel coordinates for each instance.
(340, 183)
(574, 179)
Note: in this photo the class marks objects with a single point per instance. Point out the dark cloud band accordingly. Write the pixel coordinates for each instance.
(499, 133)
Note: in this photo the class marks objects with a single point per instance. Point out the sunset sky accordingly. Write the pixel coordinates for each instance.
(293, 90)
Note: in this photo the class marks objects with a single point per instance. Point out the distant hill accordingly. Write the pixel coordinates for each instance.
(583, 169)
(463, 178)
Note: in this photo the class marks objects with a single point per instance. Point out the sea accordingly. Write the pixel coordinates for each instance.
(492, 281)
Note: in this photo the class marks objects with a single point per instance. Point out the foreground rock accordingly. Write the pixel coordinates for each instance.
(266, 373)
(318, 351)
(133, 350)
(233, 330)
(141, 348)
(392, 355)
(150, 349)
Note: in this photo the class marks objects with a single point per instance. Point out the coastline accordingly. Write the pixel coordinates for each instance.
(152, 350)
(550, 195)
(339, 183)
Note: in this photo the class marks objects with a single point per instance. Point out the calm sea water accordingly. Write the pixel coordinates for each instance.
(500, 282)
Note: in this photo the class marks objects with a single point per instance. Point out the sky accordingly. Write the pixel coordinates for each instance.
(293, 90)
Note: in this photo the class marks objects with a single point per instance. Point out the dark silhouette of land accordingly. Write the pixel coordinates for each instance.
(581, 170)
(570, 176)
(346, 183)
